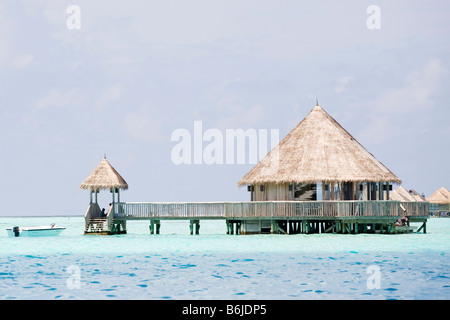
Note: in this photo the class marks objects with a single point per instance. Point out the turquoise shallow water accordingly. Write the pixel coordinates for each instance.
(213, 265)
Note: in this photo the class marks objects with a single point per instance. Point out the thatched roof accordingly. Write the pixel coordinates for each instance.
(318, 150)
(401, 194)
(104, 176)
(441, 196)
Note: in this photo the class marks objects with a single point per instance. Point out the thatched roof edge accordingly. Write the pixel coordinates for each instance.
(104, 176)
(440, 196)
(298, 158)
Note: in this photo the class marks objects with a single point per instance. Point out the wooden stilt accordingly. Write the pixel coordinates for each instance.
(157, 226)
(197, 227)
(152, 227)
(194, 226)
(391, 228)
(329, 228)
(423, 227)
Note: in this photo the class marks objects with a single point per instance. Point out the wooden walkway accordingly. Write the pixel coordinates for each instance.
(284, 217)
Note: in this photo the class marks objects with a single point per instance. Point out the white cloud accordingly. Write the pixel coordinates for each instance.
(418, 92)
(108, 95)
(6, 25)
(414, 97)
(56, 99)
(342, 83)
(23, 61)
(144, 125)
(231, 109)
(241, 117)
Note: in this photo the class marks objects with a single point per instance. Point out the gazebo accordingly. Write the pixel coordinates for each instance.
(104, 177)
(319, 160)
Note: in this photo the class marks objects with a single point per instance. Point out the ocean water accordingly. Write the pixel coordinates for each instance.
(214, 265)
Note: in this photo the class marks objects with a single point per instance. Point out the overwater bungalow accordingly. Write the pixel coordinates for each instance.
(440, 202)
(319, 160)
(403, 195)
(317, 179)
(407, 199)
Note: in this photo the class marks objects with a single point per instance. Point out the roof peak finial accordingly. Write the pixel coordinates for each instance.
(317, 102)
(104, 156)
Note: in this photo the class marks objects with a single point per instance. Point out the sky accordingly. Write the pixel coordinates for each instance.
(118, 78)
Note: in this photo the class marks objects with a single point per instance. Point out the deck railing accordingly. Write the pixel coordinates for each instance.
(93, 211)
(419, 208)
(110, 216)
(268, 209)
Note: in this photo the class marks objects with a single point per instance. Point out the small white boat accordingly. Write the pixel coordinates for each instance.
(41, 231)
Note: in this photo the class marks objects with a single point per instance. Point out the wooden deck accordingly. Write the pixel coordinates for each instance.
(285, 217)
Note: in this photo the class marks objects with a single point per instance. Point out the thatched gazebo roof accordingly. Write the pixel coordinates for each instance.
(319, 149)
(441, 196)
(104, 176)
(401, 194)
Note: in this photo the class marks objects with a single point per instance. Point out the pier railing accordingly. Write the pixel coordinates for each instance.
(92, 212)
(110, 216)
(268, 209)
